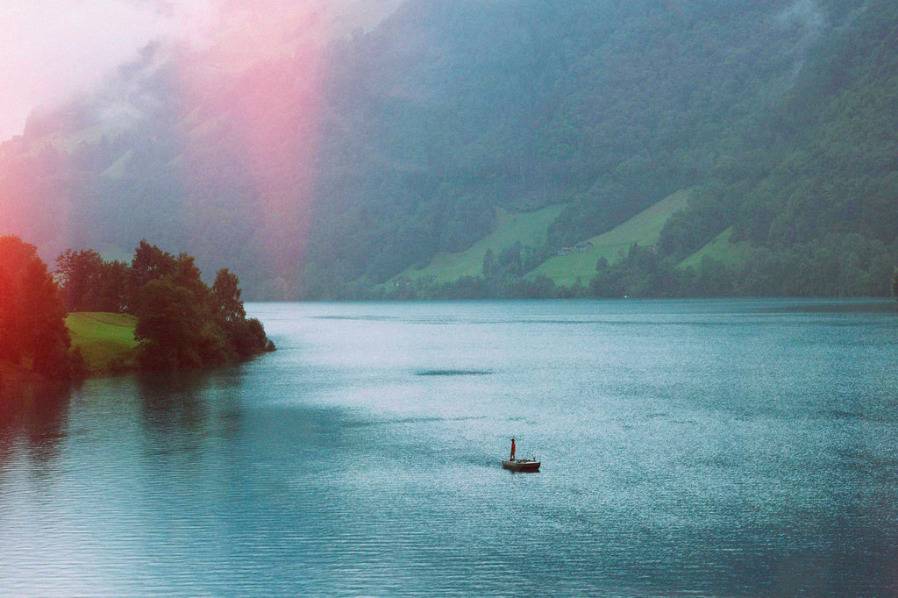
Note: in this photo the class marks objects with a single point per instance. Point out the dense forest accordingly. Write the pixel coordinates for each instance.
(777, 117)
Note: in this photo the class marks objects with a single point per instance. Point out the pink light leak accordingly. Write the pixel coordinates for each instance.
(52, 50)
(256, 99)
(35, 190)
(246, 81)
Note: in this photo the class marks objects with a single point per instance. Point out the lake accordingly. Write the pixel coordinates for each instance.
(731, 447)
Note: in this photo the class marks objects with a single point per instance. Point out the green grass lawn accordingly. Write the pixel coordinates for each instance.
(528, 228)
(720, 248)
(105, 339)
(643, 228)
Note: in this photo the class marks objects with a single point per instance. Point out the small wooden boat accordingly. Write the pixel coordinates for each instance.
(521, 464)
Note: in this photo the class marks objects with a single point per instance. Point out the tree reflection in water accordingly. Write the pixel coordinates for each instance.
(33, 419)
(183, 410)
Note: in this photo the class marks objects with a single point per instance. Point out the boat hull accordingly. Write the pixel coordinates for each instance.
(521, 465)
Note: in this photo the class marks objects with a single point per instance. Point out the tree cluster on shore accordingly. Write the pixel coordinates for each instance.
(33, 335)
(181, 321)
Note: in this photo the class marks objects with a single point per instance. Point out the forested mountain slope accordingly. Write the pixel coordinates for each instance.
(329, 169)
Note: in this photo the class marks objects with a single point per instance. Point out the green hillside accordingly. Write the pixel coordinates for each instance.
(720, 248)
(777, 115)
(526, 228)
(106, 340)
(643, 228)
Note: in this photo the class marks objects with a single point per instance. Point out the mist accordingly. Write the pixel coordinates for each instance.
(53, 51)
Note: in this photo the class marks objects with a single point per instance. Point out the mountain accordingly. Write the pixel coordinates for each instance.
(507, 132)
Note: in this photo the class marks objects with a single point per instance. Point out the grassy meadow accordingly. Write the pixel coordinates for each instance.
(528, 228)
(106, 340)
(721, 248)
(644, 228)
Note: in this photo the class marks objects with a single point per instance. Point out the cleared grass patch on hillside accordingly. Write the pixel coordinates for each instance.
(106, 340)
(721, 248)
(644, 228)
(527, 228)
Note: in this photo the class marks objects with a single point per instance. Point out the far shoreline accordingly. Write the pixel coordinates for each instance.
(883, 304)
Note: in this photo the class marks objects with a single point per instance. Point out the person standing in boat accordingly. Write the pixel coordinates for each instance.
(512, 450)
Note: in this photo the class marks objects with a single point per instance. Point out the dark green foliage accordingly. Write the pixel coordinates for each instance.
(32, 315)
(836, 266)
(45, 337)
(246, 336)
(91, 284)
(171, 327)
(181, 322)
(149, 263)
(489, 264)
(642, 273)
(78, 365)
(509, 263)
(688, 230)
(226, 292)
(895, 284)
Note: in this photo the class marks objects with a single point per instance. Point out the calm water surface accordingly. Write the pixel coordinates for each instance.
(710, 447)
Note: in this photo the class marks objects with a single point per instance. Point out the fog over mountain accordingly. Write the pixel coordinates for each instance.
(342, 157)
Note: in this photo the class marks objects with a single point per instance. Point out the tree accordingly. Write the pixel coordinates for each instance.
(113, 292)
(43, 319)
(169, 326)
(10, 344)
(149, 263)
(489, 264)
(226, 294)
(895, 284)
(78, 274)
(188, 275)
(32, 315)
(246, 336)
(181, 322)
(91, 284)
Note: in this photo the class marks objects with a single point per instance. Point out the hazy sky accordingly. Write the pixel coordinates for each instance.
(52, 49)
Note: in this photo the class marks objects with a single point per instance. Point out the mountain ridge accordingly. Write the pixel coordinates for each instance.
(325, 172)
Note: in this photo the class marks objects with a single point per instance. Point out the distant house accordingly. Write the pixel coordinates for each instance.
(581, 247)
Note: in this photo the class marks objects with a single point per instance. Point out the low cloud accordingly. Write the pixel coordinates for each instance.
(55, 49)
(808, 22)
